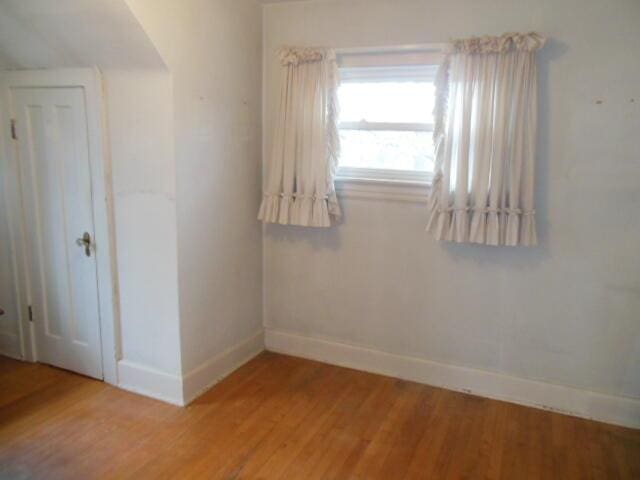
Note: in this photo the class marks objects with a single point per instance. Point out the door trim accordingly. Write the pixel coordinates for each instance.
(90, 80)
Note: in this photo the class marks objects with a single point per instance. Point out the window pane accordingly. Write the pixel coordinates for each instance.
(403, 102)
(387, 150)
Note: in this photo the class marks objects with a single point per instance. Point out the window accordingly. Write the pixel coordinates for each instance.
(386, 117)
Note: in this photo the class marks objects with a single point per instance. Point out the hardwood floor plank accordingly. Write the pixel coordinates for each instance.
(302, 423)
(284, 417)
(318, 448)
(360, 430)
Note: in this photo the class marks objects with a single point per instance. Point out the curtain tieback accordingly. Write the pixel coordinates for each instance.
(518, 211)
(297, 195)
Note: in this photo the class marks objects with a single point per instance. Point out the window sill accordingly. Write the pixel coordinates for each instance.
(412, 191)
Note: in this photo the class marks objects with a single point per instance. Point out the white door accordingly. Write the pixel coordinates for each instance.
(52, 136)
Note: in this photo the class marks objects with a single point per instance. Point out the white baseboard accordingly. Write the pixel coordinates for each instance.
(568, 400)
(150, 382)
(201, 378)
(181, 390)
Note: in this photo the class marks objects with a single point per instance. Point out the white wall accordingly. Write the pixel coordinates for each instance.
(213, 50)
(72, 33)
(140, 125)
(566, 312)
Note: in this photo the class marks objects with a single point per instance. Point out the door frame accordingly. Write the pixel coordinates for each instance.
(102, 203)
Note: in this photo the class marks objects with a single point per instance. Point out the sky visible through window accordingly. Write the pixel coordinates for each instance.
(387, 102)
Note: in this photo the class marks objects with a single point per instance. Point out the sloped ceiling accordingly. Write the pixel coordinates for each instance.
(73, 33)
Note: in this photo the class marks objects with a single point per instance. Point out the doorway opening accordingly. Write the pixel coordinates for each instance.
(58, 188)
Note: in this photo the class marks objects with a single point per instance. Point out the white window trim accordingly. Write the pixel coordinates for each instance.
(386, 126)
(377, 175)
(396, 185)
(400, 73)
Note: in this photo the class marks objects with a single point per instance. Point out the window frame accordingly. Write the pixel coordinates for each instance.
(395, 64)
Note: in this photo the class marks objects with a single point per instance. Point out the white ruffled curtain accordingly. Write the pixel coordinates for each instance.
(299, 189)
(485, 136)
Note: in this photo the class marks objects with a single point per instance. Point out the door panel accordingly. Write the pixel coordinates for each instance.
(54, 157)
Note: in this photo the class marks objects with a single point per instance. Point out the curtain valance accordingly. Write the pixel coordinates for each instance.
(527, 42)
(298, 55)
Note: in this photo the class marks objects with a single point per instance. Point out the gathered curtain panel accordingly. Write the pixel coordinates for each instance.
(485, 138)
(299, 187)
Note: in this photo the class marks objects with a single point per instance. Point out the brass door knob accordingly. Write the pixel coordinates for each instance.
(85, 241)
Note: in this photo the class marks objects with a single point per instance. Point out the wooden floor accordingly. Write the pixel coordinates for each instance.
(283, 417)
